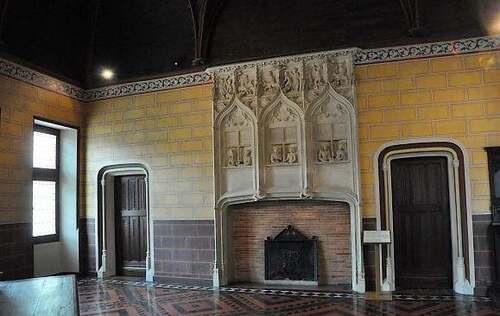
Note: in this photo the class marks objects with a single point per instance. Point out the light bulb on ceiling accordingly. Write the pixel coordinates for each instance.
(107, 73)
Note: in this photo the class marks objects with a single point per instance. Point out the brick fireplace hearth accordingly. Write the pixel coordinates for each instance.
(250, 224)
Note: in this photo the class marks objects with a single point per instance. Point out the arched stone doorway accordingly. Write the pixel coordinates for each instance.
(459, 206)
(105, 219)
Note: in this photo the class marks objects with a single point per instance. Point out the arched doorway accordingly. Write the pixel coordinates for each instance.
(446, 167)
(124, 226)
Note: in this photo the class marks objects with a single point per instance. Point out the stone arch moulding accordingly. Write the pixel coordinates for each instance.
(276, 95)
(460, 204)
(105, 250)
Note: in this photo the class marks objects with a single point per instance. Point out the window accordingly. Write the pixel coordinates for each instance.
(45, 184)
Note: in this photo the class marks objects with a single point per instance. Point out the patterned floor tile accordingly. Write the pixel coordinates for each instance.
(119, 297)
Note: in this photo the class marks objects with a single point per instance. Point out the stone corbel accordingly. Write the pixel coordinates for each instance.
(258, 196)
(305, 194)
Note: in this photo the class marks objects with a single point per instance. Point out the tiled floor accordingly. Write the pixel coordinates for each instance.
(122, 297)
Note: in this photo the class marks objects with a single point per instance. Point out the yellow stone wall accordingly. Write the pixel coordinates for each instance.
(171, 133)
(19, 103)
(457, 97)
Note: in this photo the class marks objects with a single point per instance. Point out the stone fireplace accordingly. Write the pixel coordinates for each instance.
(250, 224)
(285, 131)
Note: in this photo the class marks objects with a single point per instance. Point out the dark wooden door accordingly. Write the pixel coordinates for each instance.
(131, 225)
(421, 218)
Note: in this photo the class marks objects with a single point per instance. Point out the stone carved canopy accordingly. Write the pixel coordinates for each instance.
(302, 126)
(285, 128)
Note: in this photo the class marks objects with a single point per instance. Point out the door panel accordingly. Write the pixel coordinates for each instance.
(131, 225)
(421, 221)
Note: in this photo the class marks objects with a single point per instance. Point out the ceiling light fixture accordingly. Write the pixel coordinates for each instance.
(107, 73)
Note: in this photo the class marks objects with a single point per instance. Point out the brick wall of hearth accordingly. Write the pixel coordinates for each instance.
(252, 223)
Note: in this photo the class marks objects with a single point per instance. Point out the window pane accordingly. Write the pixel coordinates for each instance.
(44, 150)
(44, 208)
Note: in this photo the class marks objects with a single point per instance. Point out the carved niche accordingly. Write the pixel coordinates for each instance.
(282, 134)
(237, 140)
(331, 133)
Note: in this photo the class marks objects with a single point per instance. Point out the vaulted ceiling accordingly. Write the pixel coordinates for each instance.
(73, 39)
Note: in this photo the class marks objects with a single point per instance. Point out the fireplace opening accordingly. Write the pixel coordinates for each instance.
(291, 256)
(249, 225)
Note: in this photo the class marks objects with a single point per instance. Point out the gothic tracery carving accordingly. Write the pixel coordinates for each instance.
(275, 138)
(283, 134)
(283, 113)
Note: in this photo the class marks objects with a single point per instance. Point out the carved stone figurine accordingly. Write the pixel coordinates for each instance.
(227, 88)
(339, 76)
(246, 86)
(324, 153)
(340, 153)
(316, 77)
(276, 155)
(291, 81)
(231, 159)
(269, 82)
(247, 159)
(291, 155)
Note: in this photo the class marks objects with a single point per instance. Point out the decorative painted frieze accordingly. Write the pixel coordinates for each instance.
(462, 46)
(147, 86)
(38, 79)
(273, 74)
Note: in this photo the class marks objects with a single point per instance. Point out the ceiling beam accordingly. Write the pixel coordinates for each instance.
(203, 16)
(412, 16)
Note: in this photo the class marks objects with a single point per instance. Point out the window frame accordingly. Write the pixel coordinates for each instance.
(46, 174)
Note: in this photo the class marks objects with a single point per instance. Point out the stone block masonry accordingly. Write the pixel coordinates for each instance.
(184, 250)
(87, 246)
(456, 97)
(170, 133)
(19, 104)
(484, 257)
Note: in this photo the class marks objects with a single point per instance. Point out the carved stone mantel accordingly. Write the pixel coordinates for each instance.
(286, 128)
